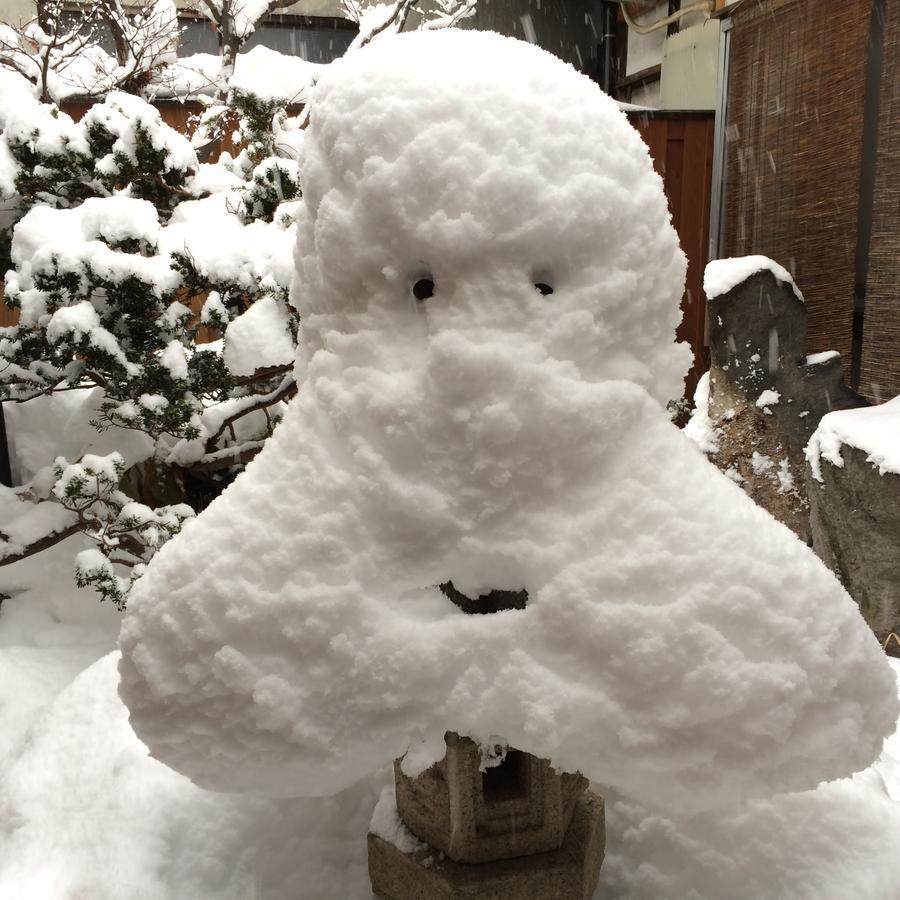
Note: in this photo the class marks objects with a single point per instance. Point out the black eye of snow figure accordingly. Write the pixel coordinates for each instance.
(423, 289)
(543, 288)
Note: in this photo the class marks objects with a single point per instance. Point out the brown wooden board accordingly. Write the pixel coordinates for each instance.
(681, 146)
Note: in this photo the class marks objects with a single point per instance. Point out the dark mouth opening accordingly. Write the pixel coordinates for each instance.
(485, 604)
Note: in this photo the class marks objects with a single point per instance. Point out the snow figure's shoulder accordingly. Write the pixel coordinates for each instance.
(677, 641)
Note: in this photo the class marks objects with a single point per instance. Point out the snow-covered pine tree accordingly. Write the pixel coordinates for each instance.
(124, 238)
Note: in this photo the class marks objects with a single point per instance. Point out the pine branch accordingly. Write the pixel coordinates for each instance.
(44, 543)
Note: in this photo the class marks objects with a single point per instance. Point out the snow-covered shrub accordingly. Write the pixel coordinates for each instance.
(123, 240)
(125, 532)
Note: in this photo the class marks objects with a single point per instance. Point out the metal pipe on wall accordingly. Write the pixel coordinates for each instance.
(704, 6)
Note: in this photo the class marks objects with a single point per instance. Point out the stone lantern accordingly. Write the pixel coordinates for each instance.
(514, 830)
(497, 822)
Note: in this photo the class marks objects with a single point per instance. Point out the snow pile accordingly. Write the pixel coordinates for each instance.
(875, 430)
(497, 433)
(723, 275)
(700, 428)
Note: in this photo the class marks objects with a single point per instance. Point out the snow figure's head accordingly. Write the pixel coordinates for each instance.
(489, 284)
(465, 184)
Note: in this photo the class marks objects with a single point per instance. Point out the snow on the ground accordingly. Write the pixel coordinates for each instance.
(86, 812)
(677, 643)
(49, 631)
(722, 275)
(874, 429)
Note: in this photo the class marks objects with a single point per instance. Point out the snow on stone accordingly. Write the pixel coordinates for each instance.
(760, 462)
(875, 430)
(816, 359)
(387, 825)
(699, 427)
(259, 338)
(82, 763)
(722, 275)
(785, 477)
(768, 398)
(292, 639)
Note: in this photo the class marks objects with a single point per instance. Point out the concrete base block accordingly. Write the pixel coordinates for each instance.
(570, 873)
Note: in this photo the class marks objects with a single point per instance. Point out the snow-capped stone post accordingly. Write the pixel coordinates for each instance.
(764, 396)
(489, 286)
(854, 497)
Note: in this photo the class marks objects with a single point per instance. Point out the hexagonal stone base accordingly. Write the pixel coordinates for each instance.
(571, 872)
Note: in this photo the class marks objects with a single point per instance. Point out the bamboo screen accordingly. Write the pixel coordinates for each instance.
(794, 141)
(881, 327)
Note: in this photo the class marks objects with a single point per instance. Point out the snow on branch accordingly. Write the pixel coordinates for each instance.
(377, 19)
(59, 51)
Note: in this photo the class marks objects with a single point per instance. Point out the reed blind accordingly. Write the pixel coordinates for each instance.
(793, 157)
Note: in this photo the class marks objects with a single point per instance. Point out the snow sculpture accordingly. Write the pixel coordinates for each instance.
(489, 284)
